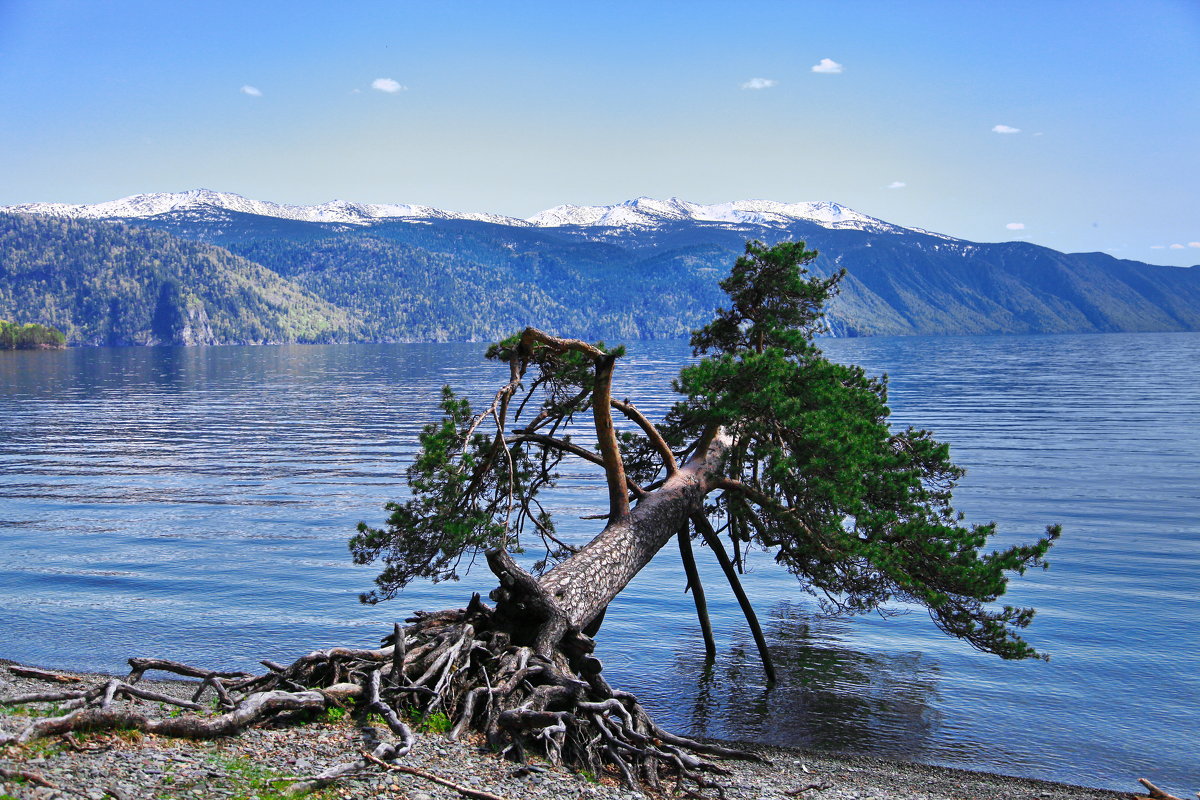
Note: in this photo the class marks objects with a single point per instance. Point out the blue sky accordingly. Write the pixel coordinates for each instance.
(1070, 124)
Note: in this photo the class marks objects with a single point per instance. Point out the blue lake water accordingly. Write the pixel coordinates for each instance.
(195, 504)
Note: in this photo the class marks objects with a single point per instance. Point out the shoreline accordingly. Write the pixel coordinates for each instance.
(130, 767)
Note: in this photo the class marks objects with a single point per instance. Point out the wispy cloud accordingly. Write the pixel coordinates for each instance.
(1005, 129)
(1194, 244)
(1176, 247)
(1015, 226)
(827, 66)
(1158, 247)
(759, 83)
(897, 185)
(253, 91)
(388, 85)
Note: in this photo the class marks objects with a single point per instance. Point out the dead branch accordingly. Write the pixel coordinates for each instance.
(429, 776)
(651, 430)
(254, 708)
(1155, 793)
(41, 697)
(26, 775)
(141, 666)
(701, 603)
(42, 675)
(714, 542)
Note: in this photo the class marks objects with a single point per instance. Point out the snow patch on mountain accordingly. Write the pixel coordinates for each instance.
(646, 212)
(199, 200)
(642, 213)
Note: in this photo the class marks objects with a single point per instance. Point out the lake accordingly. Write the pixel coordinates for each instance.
(194, 504)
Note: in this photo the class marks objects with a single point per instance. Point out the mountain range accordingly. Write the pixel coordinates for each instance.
(205, 267)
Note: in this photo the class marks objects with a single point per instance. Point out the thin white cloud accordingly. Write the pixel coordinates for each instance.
(827, 66)
(388, 85)
(897, 185)
(1005, 129)
(759, 83)
(1158, 247)
(1176, 247)
(1194, 244)
(253, 91)
(1015, 226)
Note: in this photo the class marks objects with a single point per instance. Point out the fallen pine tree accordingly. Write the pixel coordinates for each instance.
(771, 446)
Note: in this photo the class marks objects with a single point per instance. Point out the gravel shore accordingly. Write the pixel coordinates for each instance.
(132, 766)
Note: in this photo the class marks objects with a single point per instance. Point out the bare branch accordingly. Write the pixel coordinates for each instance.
(42, 675)
(545, 415)
(773, 505)
(429, 776)
(651, 431)
(524, 435)
(710, 537)
(567, 447)
(693, 577)
(606, 438)
(531, 335)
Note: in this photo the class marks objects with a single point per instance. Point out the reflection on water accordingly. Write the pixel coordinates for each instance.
(194, 503)
(829, 695)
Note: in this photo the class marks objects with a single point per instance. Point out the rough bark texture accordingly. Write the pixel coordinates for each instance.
(584, 585)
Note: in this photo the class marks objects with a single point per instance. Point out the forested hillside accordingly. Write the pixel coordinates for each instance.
(408, 293)
(107, 283)
(623, 283)
(222, 276)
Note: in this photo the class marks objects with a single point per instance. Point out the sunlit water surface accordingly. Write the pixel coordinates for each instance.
(195, 504)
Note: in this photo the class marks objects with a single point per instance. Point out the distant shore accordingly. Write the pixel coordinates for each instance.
(130, 767)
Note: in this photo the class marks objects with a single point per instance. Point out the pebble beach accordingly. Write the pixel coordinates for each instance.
(264, 760)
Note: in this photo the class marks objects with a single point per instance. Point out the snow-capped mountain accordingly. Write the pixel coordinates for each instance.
(646, 212)
(140, 206)
(639, 214)
(641, 269)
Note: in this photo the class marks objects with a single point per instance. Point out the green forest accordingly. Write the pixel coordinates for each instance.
(234, 278)
(30, 336)
(103, 283)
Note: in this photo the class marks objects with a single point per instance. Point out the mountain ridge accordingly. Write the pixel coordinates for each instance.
(640, 212)
(644, 268)
(110, 284)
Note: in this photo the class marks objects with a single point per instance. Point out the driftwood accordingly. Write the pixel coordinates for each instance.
(821, 785)
(429, 776)
(43, 675)
(26, 775)
(1155, 793)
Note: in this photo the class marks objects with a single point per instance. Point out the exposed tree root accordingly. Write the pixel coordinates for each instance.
(461, 663)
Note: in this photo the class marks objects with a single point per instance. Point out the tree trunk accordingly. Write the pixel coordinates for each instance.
(584, 584)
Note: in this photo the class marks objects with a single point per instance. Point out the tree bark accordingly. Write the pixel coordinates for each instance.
(587, 582)
(693, 576)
